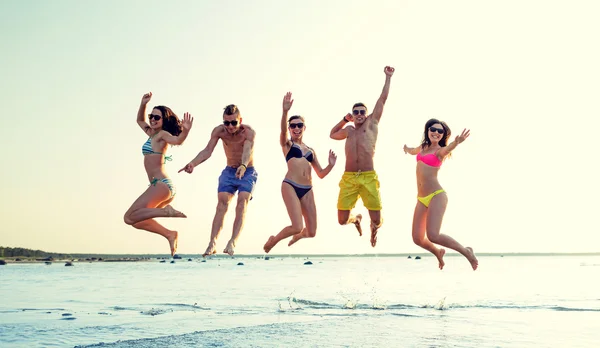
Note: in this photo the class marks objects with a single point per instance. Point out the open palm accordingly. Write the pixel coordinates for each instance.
(287, 101)
(187, 121)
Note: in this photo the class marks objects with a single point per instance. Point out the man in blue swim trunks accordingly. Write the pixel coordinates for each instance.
(239, 175)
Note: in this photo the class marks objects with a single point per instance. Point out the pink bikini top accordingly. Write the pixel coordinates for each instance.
(429, 159)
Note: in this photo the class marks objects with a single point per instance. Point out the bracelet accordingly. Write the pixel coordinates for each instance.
(244, 165)
(345, 120)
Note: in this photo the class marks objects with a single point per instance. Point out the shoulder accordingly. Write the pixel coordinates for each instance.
(218, 131)
(249, 132)
(248, 128)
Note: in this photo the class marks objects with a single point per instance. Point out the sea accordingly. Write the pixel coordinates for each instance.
(304, 301)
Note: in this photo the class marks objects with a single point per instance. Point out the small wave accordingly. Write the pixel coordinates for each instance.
(313, 304)
(156, 311)
(119, 308)
(39, 309)
(296, 304)
(406, 315)
(567, 309)
(532, 307)
(184, 306)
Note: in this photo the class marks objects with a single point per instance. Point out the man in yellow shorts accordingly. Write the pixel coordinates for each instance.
(360, 178)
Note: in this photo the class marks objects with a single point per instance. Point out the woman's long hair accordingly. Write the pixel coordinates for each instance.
(171, 123)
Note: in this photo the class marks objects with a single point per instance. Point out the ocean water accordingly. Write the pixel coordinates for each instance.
(377, 301)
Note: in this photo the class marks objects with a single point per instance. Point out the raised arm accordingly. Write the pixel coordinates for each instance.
(412, 150)
(284, 139)
(444, 151)
(141, 115)
(378, 111)
(206, 152)
(186, 125)
(339, 132)
(322, 172)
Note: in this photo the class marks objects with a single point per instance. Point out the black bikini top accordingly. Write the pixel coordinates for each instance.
(296, 152)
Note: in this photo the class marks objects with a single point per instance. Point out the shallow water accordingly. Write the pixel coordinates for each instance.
(516, 301)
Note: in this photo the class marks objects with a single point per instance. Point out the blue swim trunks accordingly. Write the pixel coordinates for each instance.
(229, 183)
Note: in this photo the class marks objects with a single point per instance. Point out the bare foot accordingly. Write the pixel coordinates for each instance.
(210, 250)
(229, 248)
(171, 212)
(173, 242)
(374, 232)
(295, 238)
(440, 257)
(472, 259)
(269, 244)
(357, 220)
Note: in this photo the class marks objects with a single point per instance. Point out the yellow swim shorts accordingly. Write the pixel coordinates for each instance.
(363, 184)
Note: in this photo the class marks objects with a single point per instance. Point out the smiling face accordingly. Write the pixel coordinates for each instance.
(436, 133)
(360, 114)
(296, 127)
(156, 119)
(232, 123)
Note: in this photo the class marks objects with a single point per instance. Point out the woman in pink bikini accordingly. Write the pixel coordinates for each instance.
(432, 199)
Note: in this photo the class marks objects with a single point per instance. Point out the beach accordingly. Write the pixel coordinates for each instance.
(512, 301)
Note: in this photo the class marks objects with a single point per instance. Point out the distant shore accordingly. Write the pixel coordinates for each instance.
(91, 258)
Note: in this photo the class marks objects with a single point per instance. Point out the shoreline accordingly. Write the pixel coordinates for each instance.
(191, 257)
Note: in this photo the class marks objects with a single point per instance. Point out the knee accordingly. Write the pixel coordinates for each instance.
(433, 238)
(376, 222)
(418, 241)
(343, 219)
(311, 233)
(241, 205)
(127, 219)
(222, 207)
(297, 228)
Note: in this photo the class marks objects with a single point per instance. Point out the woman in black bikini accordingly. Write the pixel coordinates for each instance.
(296, 188)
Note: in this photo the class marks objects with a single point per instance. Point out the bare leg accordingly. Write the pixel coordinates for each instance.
(419, 237)
(435, 215)
(376, 222)
(238, 223)
(223, 203)
(294, 208)
(344, 218)
(142, 210)
(154, 196)
(309, 212)
(152, 225)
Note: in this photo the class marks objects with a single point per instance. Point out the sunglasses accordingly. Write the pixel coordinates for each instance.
(297, 125)
(233, 123)
(434, 129)
(154, 117)
(356, 112)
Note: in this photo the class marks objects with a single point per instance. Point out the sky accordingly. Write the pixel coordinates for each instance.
(523, 76)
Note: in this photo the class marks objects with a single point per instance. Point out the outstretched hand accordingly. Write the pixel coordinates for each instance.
(332, 158)
(187, 121)
(146, 98)
(463, 136)
(389, 71)
(287, 101)
(189, 168)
